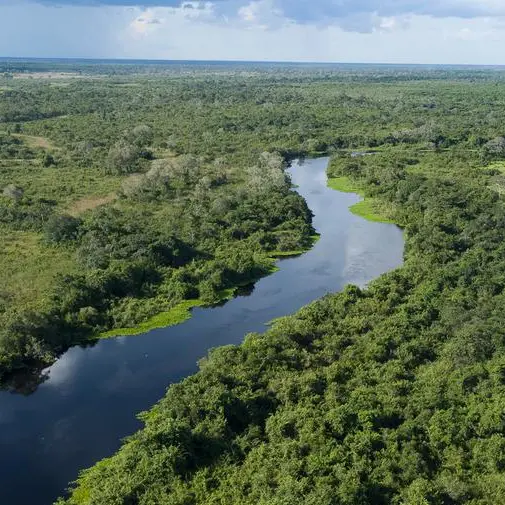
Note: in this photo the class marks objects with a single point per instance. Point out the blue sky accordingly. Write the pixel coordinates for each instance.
(396, 31)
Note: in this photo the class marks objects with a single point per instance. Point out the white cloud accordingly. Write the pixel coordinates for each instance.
(64, 369)
(262, 13)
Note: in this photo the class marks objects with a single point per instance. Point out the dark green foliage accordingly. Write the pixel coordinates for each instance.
(13, 147)
(387, 396)
(48, 160)
(26, 215)
(62, 228)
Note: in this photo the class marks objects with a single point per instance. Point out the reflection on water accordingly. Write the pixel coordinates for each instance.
(247, 290)
(91, 396)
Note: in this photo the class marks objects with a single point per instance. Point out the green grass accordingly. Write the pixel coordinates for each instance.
(176, 315)
(28, 267)
(368, 208)
(344, 184)
(497, 165)
(66, 185)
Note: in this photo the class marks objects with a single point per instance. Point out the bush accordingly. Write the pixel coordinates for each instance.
(48, 160)
(123, 158)
(62, 228)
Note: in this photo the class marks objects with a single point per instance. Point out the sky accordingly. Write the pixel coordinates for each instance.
(368, 31)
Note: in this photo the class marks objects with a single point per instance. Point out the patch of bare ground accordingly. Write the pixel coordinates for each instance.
(33, 141)
(89, 203)
(47, 75)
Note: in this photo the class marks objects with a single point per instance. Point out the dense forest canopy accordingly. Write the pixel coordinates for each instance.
(138, 190)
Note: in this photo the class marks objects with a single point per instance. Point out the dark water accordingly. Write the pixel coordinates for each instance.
(89, 402)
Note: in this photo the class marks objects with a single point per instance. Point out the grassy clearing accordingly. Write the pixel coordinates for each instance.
(72, 188)
(344, 184)
(35, 142)
(89, 203)
(28, 267)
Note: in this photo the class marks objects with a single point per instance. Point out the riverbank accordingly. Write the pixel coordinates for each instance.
(176, 315)
(370, 209)
(93, 393)
(182, 311)
(364, 395)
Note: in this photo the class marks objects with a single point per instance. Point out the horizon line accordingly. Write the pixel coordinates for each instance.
(291, 62)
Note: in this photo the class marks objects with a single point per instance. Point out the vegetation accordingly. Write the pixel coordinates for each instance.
(176, 315)
(389, 395)
(368, 208)
(134, 229)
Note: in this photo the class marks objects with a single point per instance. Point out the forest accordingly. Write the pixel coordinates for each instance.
(127, 194)
(109, 220)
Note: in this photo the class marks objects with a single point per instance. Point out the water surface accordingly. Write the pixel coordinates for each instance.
(89, 402)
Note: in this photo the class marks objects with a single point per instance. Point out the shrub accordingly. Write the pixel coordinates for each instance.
(62, 228)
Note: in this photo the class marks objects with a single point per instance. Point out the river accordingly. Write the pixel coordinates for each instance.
(89, 401)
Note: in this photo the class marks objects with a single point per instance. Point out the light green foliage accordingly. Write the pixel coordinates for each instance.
(177, 315)
(371, 210)
(147, 226)
(344, 184)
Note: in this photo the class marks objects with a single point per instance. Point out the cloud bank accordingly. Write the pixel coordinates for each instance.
(316, 10)
(430, 31)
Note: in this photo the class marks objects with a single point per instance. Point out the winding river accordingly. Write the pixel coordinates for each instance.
(88, 403)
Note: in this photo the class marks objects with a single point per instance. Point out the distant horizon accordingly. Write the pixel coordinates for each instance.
(243, 61)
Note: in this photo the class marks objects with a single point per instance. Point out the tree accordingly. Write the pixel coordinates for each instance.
(149, 186)
(62, 228)
(123, 158)
(268, 174)
(48, 160)
(142, 136)
(495, 148)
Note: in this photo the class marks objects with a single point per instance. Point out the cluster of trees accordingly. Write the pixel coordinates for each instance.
(12, 147)
(125, 155)
(393, 395)
(179, 231)
(295, 111)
